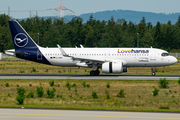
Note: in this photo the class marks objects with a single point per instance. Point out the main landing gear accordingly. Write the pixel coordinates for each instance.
(94, 73)
(153, 71)
(95, 70)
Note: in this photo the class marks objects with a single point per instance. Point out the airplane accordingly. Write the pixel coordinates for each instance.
(110, 60)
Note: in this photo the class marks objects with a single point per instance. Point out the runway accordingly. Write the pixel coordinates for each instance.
(88, 77)
(42, 114)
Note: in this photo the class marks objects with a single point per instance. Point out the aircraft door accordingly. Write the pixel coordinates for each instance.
(39, 55)
(136, 59)
(153, 55)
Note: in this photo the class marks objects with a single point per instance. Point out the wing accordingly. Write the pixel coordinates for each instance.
(82, 59)
(88, 60)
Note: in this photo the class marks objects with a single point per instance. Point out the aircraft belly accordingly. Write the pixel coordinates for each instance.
(63, 62)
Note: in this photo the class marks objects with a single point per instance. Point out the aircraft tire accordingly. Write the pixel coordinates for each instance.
(92, 73)
(153, 73)
(97, 72)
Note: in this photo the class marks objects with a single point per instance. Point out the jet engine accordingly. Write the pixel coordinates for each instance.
(112, 67)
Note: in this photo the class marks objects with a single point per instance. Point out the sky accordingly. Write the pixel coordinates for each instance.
(22, 8)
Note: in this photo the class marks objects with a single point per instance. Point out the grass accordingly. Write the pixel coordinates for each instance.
(82, 98)
(138, 94)
(14, 66)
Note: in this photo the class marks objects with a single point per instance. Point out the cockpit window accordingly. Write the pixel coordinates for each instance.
(165, 54)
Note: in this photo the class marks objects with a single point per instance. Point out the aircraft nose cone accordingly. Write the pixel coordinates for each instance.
(174, 60)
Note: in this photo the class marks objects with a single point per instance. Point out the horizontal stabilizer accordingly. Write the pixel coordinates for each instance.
(13, 53)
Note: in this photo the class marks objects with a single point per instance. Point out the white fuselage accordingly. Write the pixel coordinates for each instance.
(130, 57)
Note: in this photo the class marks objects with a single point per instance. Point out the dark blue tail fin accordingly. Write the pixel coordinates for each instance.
(20, 37)
(25, 47)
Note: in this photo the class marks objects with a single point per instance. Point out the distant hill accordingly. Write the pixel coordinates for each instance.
(134, 16)
(129, 15)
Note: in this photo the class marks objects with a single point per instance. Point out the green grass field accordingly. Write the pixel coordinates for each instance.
(138, 95)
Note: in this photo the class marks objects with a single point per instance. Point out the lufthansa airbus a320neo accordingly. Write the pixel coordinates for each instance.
(110, 60)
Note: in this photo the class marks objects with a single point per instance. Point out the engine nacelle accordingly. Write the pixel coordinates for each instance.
(112, 67)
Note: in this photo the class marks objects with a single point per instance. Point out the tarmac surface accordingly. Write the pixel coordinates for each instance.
(47, 114)
(88, 77)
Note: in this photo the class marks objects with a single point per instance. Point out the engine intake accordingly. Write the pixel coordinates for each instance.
(112, 67)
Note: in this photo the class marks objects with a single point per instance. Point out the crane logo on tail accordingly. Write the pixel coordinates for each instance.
(21, 40)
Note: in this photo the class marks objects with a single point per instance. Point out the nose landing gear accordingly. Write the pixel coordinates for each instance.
(153, 71)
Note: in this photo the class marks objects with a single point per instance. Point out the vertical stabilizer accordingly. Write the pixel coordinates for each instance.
(25, 47)
(20, 37)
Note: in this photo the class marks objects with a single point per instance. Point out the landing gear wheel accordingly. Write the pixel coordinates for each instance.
(97, 72)
(92, 73)
(153, 73)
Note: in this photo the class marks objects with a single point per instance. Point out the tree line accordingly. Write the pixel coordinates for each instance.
(94, 33)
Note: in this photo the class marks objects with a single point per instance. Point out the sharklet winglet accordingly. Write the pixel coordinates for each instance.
(63, 52)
